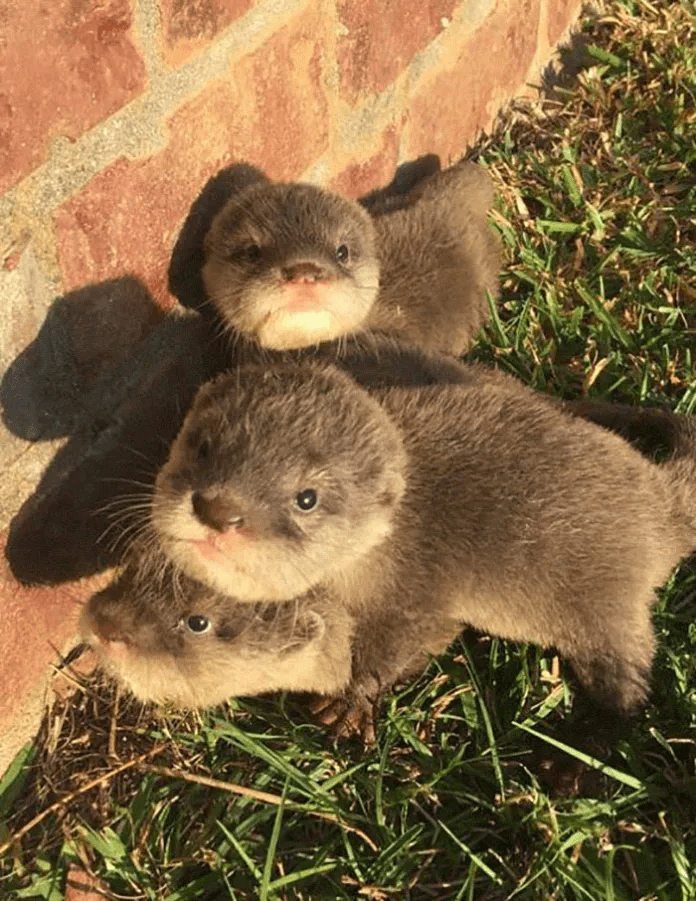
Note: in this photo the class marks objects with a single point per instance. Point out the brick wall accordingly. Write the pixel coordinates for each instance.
(113, 114)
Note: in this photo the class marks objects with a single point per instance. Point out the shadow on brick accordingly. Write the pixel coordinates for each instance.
(109, 370)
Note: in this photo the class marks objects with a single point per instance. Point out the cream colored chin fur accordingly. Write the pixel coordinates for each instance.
(343, 305)
(268, 570)
(291, 330)
(161, 679)
(344, 308)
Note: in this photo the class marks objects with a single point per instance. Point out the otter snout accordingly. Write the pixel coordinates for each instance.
(216, 512)
(304, 271)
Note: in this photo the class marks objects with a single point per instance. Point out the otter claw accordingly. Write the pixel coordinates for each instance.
(346, 716)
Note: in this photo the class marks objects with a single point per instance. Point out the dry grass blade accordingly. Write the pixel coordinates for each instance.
(265, 797)
(68, 799)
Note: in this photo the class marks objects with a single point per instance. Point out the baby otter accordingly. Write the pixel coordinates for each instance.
(417, 512)
(292, 265)
(341, 497)
(169, 638)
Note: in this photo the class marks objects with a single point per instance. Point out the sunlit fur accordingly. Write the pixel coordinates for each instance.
(137, 628)
(516, 518)
(439, 260)
(289, 226)
(266, 442)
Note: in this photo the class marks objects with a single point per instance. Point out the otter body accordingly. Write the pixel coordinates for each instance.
(416, 512)
(292, 265)
(439, 259)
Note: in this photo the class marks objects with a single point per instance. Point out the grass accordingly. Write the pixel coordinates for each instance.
(597, 209)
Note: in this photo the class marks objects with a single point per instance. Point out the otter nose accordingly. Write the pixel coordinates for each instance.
(216, 512)
(305, 270)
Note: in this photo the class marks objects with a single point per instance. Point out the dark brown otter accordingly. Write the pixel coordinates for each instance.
(416, 513)
(291, 265)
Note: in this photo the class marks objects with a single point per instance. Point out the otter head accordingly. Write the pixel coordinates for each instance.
(291, 265)
(280, 478)
(169, 639)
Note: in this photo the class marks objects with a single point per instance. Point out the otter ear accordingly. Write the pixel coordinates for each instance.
(393, 488)
(185, 281)
(310, 627)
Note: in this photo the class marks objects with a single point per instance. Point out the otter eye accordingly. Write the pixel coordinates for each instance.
(253, 253)
(306, 500)
(342, 253)
(197, 624)
(203, 451)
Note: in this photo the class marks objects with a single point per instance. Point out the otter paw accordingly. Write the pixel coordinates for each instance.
(348, 715)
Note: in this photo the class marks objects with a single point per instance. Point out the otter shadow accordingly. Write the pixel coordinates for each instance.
(76, 366)
(114, 373)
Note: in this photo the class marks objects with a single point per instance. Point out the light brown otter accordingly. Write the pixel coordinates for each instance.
(416, 514)
(439, 260)
(170, 639)
(292, 265)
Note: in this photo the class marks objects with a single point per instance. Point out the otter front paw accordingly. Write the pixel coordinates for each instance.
(349, 714)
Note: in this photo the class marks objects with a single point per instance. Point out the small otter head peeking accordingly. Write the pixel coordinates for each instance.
(291, 265)
(171, 639)
(280, 478)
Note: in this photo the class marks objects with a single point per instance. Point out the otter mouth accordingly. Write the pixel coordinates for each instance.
(218, 552)
(305, 294)
(303, 312)
(209, 549)
(302, 297)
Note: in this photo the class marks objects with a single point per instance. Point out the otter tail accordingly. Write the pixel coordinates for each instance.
(656, 433)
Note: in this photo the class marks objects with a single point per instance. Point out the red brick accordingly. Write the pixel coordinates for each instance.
(63, 68)
(289, 114)
(272, 112)
(560, 14)
(491, 67)
(34, 625)
(189, 25)
(359, 178)
(382, 37)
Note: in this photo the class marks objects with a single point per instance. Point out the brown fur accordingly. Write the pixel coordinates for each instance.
(438, 259)
(418, 270)
(139, 626)
(495, 509)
